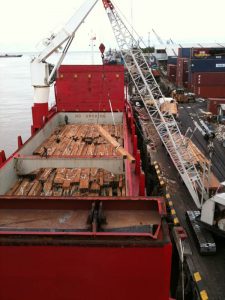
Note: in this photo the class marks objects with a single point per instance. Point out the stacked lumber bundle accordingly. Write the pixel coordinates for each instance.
(70, 182)
(202, 163)
(212, 183)
(149, 132)
(190, 152)
(199, 156)
(81, 140)
(170, 108)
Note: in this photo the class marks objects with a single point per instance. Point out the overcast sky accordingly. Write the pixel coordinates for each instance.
(25, 23)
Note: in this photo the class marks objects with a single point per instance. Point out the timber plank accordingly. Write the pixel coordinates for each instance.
(84, 180)
(70, 182)
(44, 176)
(14, 189)
(36, 189)
(118, 147)
(24, 188)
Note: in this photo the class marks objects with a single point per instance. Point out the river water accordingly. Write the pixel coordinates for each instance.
(16, 95)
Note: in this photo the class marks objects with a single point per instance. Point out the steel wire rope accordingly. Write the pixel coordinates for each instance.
(108, 91)
(103, 79)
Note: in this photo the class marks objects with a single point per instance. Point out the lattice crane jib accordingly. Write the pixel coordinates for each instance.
(150, 93)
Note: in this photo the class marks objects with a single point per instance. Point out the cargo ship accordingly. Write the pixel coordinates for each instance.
(75, 218)
(85, 208)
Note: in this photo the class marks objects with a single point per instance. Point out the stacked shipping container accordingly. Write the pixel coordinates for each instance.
(172, 60)
(182, 72)
(207, 65)
(171, 72)
(202, 70)
(208, 84)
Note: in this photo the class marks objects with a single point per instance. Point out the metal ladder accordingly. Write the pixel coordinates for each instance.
(148, 88)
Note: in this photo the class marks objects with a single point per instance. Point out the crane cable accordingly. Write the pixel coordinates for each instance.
(103, 80)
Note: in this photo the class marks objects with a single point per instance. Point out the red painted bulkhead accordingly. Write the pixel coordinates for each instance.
(39, 113)
(89, 88)
(82, 273)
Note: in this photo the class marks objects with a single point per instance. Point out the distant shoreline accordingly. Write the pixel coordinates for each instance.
(10, 55)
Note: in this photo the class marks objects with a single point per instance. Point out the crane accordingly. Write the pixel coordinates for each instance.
(147, 87)
(42, 73)
(168, 130)
(168, 42)
(158, 37)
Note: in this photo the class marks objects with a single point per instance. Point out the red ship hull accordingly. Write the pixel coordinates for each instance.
(39, 260)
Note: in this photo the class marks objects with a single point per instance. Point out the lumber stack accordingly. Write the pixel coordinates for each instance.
(169, 107)
(70, 182)
(81, 140)
(113, 142)
(149, 132)
(199, 156)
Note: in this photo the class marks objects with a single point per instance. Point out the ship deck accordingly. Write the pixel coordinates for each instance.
(81, 216)
(69, 172)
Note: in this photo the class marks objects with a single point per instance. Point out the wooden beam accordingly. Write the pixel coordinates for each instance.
(115, 144)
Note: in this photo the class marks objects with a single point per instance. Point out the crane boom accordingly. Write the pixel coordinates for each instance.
(68, 30)
(148, 88)
(158, 37)
(41, 72)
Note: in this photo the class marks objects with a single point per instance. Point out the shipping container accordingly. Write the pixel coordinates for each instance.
(181, 61)
(185, 80)
(207, 65)
(208, 53)
(184, 52)
(209, 91)
(202, 53)
(208, 78)
(182, 72)
(172, 60)
(207, 84)
(171, 72)
(213, 103)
